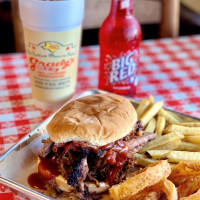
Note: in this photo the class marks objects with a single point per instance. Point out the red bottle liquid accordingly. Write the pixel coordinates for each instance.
(119, 39)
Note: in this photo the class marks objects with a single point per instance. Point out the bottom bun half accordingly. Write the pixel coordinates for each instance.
(62, 185)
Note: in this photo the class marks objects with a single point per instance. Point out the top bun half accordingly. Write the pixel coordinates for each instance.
(96, 119)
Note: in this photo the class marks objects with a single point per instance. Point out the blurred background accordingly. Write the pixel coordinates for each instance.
(182, 17)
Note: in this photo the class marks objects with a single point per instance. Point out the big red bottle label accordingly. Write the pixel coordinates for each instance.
(120, 72)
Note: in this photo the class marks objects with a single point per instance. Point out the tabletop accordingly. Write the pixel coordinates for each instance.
(169, 70)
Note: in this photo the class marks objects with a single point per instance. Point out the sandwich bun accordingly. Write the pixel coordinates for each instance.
(96, 119)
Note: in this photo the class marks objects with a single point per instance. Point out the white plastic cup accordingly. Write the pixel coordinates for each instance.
(52, 33)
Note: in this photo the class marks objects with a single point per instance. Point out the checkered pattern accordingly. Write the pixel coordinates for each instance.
(169, 70)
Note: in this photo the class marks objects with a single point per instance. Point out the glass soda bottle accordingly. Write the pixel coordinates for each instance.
(119, 40)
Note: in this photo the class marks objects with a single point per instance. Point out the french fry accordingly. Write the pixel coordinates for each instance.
(143, 160)
(183, 129)
(160, 125)
(151, 99)
(190, 124)
(169, 146)
(151, 125)
(152, 195)
(164, 139)
(195, 196)
(177, 156)
(169, 189)
(175, 115)
(157, 154)
(189, 186)
(169, 116)
(184, 170)
(151, 112)
(140, 180)
(153, 192)
(173, 165)
(186, 146)
(144, 103)
(193, 139)
(174, 156)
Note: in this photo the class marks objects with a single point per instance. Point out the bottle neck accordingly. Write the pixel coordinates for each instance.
(121, 7)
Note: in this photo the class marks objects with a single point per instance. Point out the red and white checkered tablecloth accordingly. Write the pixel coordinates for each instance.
(169, 70)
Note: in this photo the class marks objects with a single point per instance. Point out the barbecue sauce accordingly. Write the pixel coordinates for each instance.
(36, 181)
(112, 174)
(47, 170)
(116, 156)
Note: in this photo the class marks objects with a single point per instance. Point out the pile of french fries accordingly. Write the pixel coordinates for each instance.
(177, 140)
(171, 160)
(159, 181)
(148, 183)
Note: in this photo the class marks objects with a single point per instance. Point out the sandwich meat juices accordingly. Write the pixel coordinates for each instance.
(90, 147)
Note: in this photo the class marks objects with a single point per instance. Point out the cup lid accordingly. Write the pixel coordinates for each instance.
(51, 15)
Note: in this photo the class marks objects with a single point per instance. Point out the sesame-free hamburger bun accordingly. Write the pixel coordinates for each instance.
(96, 119)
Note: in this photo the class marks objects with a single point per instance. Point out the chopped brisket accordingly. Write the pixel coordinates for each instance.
(73, 166)
(98, 166)
(138, 142)
(87, 145)
(46, 149)
(100, 170)
(79, 174)
(73, 177)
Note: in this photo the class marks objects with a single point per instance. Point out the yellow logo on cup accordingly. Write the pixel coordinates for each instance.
(51, 47)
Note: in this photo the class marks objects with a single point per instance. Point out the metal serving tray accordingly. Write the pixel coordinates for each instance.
(18, 162)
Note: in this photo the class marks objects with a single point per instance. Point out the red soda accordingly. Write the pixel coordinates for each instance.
(119, 39)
